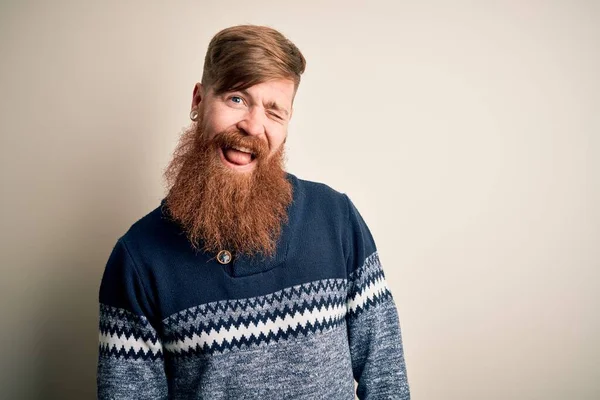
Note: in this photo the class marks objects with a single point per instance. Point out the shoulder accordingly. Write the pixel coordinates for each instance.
(318, 196)
(150, 233)
(145, 226)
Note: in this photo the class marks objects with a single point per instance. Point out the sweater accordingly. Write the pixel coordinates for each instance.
(305, 323)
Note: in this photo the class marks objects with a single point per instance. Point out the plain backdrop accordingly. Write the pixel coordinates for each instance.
(466, 132)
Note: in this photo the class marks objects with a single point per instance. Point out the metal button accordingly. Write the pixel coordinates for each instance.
(224, 257)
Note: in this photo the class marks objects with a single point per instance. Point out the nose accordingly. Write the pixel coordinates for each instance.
(252, 123)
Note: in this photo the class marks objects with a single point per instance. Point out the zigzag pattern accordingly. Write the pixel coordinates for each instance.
(368, 287)
(231, 325)
(256, 306)
(130, 354)
(198, 347)
(124, 334)
(371, 265)
(188, 329)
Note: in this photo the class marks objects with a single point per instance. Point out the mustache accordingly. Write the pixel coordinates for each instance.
(235, 138)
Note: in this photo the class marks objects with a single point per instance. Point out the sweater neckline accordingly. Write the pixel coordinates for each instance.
(243, 266)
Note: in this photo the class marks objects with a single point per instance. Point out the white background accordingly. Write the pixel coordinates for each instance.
(466, 132)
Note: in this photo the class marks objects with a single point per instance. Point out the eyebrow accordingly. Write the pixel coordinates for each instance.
(271, 105)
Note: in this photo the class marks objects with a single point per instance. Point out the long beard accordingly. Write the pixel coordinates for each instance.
(219, 208)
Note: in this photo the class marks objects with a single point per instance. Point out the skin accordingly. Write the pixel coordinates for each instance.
(263, 111)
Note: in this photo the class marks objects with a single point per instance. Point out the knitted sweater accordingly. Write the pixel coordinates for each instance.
(304, 324)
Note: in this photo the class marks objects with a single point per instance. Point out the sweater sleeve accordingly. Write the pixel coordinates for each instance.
(130, 357)
(373, 325)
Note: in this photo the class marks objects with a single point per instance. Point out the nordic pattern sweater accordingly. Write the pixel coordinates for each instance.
(304, 324)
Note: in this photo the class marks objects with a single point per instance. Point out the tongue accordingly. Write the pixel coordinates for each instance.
(237, 157)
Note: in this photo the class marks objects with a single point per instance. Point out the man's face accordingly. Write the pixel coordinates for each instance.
(262, 111)
(227, 183)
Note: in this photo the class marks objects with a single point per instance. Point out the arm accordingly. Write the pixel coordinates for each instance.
(373, 326)
(130, 359)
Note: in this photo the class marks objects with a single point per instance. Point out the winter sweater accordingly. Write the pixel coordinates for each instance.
(304, 324)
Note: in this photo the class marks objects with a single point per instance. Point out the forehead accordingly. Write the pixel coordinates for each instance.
(281, 87)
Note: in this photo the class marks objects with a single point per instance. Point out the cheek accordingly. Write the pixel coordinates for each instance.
(218, 120)
(277, 140)
(212, 127)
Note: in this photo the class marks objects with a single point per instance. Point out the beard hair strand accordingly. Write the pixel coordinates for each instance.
(219, 208)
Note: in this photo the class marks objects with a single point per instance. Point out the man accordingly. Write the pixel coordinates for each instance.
(247, 282)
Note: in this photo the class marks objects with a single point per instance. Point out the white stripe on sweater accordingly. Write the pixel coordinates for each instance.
(375, 288)
(109, 341)
(224, 334)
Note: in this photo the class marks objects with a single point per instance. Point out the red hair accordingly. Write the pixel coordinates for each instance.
(245, 55)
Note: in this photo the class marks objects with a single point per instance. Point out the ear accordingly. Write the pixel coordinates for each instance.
(197, 95)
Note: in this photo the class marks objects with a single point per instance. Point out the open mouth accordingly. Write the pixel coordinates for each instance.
(238, 156)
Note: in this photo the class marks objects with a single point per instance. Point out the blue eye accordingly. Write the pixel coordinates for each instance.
(237, 99)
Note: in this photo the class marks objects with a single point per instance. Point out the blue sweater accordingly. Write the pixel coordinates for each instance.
(304, 324)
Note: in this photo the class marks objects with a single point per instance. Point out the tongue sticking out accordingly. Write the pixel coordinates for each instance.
(237, 157)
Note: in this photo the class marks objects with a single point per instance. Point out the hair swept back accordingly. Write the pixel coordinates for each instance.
(245, 55)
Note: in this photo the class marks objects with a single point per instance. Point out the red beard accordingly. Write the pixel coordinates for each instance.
(219, 208)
